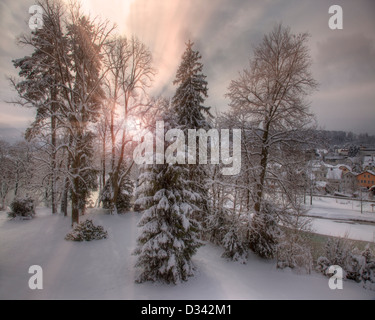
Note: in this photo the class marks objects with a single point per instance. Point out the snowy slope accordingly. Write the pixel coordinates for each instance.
(104, 269)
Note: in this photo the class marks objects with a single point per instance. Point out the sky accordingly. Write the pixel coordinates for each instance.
(226, 32)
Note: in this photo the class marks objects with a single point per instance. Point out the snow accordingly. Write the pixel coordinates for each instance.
(334, 174)
(342, 218)
(105, 269)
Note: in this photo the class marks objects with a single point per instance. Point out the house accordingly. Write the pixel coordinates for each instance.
(366, 179)
(334, 179)
(368, 163)
(344, 168)
(350, 182)
(334, 159)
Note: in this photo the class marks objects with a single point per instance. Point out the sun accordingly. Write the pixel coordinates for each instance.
(133, 125)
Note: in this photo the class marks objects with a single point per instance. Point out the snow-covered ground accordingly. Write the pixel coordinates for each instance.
(342, 218)
(105, 269)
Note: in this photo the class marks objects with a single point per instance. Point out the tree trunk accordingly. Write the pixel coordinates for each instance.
(54, 145)
(262, 177)
(53, 166)
(75, 203)
(64, 200)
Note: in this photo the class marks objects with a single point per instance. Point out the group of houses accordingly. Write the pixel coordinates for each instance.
(339, 173)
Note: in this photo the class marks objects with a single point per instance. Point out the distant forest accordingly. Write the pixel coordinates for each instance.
(342, 138)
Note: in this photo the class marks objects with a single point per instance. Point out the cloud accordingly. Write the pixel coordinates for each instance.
(225, 32)
(346, 59)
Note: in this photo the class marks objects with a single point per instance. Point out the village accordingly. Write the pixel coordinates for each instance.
(339, 173)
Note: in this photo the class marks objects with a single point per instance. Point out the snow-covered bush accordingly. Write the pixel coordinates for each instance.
(265, 232)
(23, 208)
(357, 266)
(294, 253)
(322, 265)
(87, 231)
(234, 245)
(354, 267)
(293, 250)
(368, 272)
(337, 253)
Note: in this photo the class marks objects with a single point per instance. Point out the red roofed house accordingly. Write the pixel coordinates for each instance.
(366, 179)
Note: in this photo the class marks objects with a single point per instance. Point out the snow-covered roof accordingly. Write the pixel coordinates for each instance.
(334, 174)
(351, 173)
(345, 166)
(370, 172)
(321, 184)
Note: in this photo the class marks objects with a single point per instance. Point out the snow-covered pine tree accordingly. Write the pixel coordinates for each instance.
(265, 231)
(123, 200)
(169, 236)
(84, 96)
(188, 104)
(191, 92)
(41, 84)
(234, 243)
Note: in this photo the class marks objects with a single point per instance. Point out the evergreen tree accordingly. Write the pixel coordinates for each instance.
(169, 235)
(191, 92)
(41, 84)
(84, 97)
(190, 112)
(123, 200)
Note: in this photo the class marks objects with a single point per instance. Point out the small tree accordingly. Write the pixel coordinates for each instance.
(234, 243)
(265, 232)
(293, 250)
(123, 200)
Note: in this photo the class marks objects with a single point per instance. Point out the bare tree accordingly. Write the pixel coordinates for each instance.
(130, 73)
(270, 96)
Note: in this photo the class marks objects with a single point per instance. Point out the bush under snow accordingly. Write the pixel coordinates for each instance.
(357, 266)
(23, 208)
(87, 231)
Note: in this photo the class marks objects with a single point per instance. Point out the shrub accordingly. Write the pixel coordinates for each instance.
(87, 231)
(23, 208)
(294, 253)
(265, 232)
(234, 245)
(357, 266)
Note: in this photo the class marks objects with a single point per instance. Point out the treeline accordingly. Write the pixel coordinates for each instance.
(346, 139)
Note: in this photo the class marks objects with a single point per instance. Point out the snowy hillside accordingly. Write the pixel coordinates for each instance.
(105, 269)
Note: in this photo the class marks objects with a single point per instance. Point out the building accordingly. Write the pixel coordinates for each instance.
(344, 168)
(334, 179)
(366, 179)
(368, 163)
(334, 159)
(350, 182)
